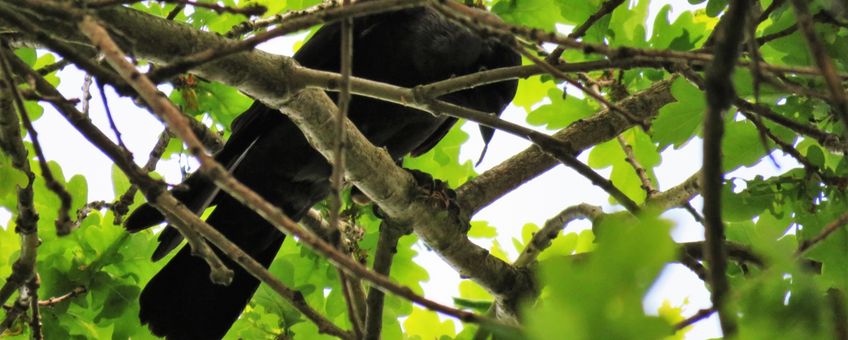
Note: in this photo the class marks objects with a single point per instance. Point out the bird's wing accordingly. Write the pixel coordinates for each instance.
(434, 139)
(315, 54)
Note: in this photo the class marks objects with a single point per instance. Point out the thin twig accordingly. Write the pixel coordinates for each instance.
(602, 126)
(700, 315)
(543, 238)
(753, 49)
(57, 66)
(695, 266)
(545, 65)
(175, 12)
(738, 252)
(606, 8)
(694, 212)
(257, 24)
(776, 35)
(386, 249)
(249, 10)
(77, 291)
(630, 157)
(353, 314)
(771, 8)
(337, 176)
(834, 225)
(121, 205)
(112, 125)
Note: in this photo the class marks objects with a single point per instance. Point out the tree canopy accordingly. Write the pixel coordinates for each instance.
(609, 89)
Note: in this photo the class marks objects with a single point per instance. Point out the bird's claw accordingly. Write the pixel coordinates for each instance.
(436, 192)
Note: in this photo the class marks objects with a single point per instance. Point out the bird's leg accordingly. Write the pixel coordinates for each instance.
(437, 193)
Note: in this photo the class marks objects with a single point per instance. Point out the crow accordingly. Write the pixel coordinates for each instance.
(269, 154)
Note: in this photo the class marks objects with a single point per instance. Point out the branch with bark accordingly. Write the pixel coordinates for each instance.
(26, 223)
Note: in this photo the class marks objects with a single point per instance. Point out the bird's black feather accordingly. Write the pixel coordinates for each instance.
(268, 153)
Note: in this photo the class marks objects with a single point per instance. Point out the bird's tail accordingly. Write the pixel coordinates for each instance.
(195, 192)
(181, 302)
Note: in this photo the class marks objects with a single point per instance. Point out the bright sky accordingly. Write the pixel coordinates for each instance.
(534, 202)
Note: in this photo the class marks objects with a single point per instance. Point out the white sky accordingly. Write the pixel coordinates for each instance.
(534, 202)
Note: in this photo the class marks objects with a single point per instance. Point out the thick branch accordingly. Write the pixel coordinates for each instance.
(394, 190)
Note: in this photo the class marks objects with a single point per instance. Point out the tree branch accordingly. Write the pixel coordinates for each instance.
(526, 165)
(386, 249)
(26, 223)
(63, 223)
(719, 95)
(552, 228)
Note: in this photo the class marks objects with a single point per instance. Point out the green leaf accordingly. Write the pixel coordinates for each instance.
(442, 161)
(475, 305)
(741, 145)
(532, 90)
(482, 229)
(715, 7)
(472, 291)
(624, 175)
(679, 121)
(561, 111)
(628, 23)
(120, 182)
(423, 324)
(682, 35)
(583, 298)
(534, 13)
(28, 55)
(815, 155)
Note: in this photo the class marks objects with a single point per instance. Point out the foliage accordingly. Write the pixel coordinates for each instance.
(592, 282)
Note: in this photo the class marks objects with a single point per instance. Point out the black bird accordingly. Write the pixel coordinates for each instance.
(269, 154)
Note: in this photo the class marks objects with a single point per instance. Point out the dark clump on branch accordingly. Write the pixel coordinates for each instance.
(268, 153)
